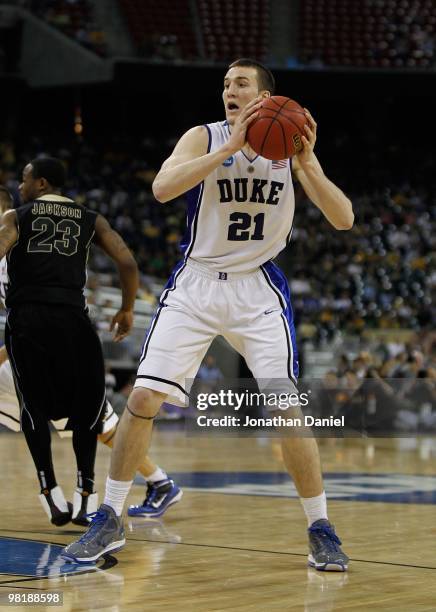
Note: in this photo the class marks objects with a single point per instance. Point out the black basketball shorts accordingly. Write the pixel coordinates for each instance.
(57, 361)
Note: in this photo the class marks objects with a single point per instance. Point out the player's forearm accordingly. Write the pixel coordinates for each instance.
(331, 200)
(173, 182)
(129, 281)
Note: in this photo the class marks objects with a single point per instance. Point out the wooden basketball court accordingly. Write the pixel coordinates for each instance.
(235, 542)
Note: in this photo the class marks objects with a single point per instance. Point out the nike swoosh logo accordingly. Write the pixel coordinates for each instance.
(267, 312)
(158, 502)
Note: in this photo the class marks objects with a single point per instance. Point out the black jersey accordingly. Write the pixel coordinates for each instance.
(48, 262)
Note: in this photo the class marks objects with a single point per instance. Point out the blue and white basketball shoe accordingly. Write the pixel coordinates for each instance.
(325, 551)
(104, 535)
(159, 497)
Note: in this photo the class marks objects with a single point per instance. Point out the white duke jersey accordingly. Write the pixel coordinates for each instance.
(4, 279)
(241, 215)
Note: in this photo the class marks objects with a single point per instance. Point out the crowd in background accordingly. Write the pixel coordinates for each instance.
(341, 33)
(369, 33)
(379, 275)
(390, 388)
(116, 183)
(74, 18)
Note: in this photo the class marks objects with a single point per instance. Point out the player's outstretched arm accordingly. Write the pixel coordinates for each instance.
(190, 163)
(331, 200)
(8, 232)
(115, 247)
(187, 166)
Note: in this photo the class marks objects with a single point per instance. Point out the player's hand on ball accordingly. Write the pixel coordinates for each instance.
(238, 136)
(121, 324)
(308, 140)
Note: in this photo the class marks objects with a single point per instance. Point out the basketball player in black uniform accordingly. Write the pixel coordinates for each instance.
(55, 353)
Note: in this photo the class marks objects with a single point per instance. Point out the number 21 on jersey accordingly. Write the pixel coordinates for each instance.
(242, 226)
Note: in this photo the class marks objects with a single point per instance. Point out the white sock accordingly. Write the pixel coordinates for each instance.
(315, 508)
(116, 493)
(157, 475)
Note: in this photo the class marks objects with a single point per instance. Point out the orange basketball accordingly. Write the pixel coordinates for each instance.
(276, 132)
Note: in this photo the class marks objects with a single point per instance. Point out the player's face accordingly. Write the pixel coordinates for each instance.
(240, 87)
(30, 187)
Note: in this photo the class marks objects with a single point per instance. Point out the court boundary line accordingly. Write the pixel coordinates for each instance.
(3, 537)
(277, 552)
(330, 499)
(109, 561)
(218, 546)
(5, 583)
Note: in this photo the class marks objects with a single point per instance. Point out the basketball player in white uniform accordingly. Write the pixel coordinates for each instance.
(159, 487)
(240, 213)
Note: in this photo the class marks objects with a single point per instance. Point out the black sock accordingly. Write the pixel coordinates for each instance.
(85, 448)
(39, 443)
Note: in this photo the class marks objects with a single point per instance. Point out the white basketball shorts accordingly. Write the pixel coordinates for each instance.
(10, 407)
(252, 311)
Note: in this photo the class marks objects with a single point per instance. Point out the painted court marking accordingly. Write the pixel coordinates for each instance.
(358, 486)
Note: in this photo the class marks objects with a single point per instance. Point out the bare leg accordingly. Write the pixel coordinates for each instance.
(301, 458)
(147, 466)
(133, 436)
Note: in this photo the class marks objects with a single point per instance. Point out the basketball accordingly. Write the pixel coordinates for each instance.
(277, 130)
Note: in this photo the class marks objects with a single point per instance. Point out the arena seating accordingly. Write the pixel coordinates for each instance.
(369, 33)
(75, 18)
(235, 28)
(377, 276)
(163, 29)
(339, 33)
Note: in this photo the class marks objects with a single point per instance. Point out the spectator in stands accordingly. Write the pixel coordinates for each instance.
(209, 371)
(380, 278)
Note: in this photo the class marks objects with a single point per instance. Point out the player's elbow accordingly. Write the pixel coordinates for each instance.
(159, 191)
(128, 263)
(345, 224)
(346, 220)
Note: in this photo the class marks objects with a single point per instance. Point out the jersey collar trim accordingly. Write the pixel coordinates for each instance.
(52, 197)
(250, 160)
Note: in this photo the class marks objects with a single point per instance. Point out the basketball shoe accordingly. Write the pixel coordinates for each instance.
(105, 534)
(55, 505)
(325, 551)
(84, 504)
(159, 497)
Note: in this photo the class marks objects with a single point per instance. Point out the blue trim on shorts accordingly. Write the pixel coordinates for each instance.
(194, 197)
(172, 281)
(279, 284)
(170, 286)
